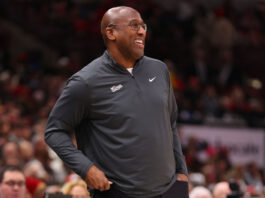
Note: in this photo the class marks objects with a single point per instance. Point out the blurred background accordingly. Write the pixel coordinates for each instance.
(214, 49)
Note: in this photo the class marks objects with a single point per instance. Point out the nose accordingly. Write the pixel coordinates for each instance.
(16, 187)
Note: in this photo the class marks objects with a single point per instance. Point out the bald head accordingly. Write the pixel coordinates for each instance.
(114, 16)
(221, 190)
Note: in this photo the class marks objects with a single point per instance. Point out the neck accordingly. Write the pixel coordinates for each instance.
(119, 58)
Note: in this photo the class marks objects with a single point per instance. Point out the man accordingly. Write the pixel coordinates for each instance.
(221, 190)
(123, 111)
(200, 192)
(12, 182)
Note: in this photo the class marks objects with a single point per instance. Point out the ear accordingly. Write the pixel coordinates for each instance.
(110, 33)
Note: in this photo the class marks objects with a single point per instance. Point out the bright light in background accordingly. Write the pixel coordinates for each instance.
(255, 83)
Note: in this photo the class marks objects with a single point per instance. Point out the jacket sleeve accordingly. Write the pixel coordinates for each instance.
(179, 157)
(68, 112)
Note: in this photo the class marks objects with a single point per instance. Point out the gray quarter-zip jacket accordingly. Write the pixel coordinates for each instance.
(124, 123)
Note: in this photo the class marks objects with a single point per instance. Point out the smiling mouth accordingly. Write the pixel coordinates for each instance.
(139, 43)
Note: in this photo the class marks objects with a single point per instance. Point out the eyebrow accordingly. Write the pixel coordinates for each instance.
(12, 180)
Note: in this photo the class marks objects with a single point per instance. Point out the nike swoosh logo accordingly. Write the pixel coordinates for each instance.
(152, 79)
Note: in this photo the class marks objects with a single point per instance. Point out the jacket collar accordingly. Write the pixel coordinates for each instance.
(108, 60)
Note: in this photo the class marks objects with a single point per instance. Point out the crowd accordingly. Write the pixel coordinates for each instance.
(215, 56)
(216, 52)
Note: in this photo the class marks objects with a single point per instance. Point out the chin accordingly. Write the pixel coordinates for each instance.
(139, 54)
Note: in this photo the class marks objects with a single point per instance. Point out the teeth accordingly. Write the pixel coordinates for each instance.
(139, 41)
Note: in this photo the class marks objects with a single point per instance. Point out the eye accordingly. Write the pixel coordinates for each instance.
(134, 25)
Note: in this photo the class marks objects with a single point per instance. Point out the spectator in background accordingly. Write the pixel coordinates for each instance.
(223, 35)
(26, 151)
(221, 190)
(199, 67)
(42, 156)
(35, 187)
(237, 172)
(200, 192)
(175, 77)
(35, 169)
(193, 163)
(10, 154)
(226, 72)
(209, 172)
(196, 179)
(78, 189)
(54, 188)
(210, 102)
(12, 182)
(204, 22)
(5, 128)
(253, 177)
(192, 101)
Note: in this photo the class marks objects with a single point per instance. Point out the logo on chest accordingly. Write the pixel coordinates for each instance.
(115, 88)
(152, 79)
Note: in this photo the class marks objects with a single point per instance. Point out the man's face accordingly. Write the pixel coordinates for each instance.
(13, 185)
(130, 41)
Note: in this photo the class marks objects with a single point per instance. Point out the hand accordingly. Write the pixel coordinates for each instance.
(96, 179)
(182, 177)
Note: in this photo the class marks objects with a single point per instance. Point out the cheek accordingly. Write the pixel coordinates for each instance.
(127, 42)
(127, 38)
(23, 190)
(4, 191)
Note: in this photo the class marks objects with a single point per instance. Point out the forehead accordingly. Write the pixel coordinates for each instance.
(78, 189)
(13, 175)
(127, 15)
